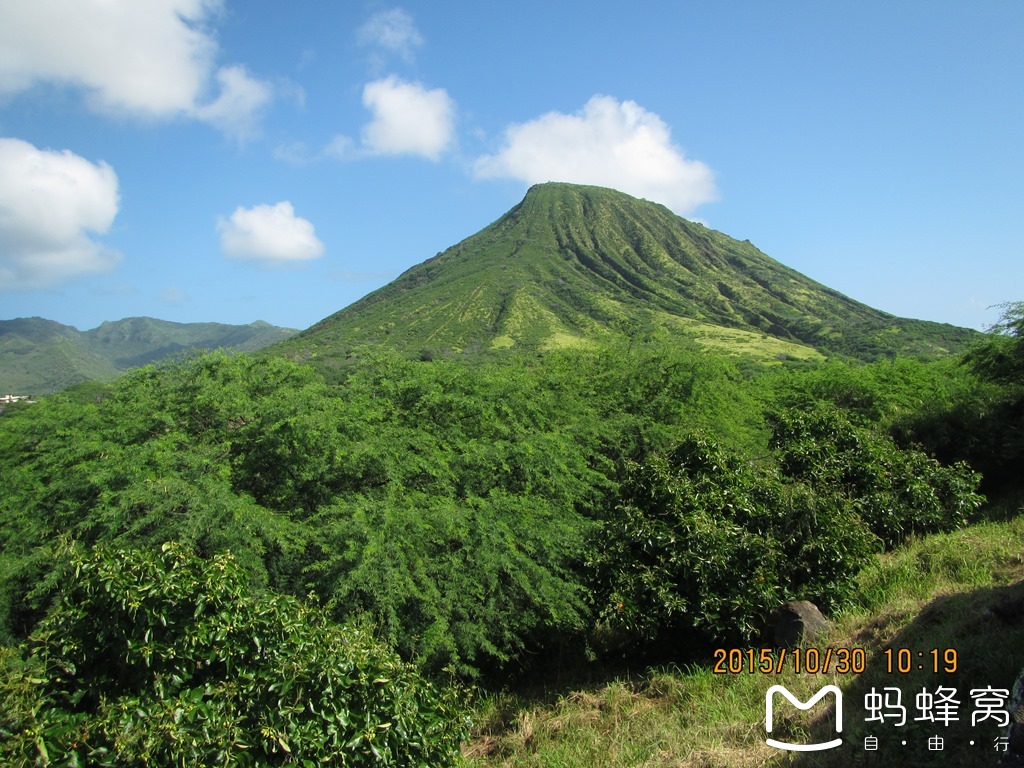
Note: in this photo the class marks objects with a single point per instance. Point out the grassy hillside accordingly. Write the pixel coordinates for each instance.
(961, 591)
(40, 356)
(574, 265)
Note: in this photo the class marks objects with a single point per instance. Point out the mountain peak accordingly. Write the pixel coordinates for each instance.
(574, 265)
(584, 200)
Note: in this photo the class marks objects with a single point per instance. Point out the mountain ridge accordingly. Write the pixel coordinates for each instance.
(572, 265)
(39, 356)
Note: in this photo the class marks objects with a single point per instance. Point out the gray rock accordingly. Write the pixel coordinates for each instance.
(798, 623)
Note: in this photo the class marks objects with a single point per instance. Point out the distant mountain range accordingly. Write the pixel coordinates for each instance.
(39, 356)
(573, 265)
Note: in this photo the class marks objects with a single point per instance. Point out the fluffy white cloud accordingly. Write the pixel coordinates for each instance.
(608, 143)
(394, 31)
(49, 203)
(407, 118)
(269, 233)
(153, 59)
(241, 99)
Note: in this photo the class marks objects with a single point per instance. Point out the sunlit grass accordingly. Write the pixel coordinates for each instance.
(943, 591)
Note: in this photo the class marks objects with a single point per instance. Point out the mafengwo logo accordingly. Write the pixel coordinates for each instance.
(769, 710)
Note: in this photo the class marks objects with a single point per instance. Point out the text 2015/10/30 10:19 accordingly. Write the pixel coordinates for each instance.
(768, 661)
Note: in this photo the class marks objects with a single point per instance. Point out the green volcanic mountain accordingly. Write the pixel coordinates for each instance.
(571, 265)
(40, 356)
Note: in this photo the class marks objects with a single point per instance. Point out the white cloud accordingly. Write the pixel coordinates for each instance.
(270, 234)
(608, 143)
(394, 31)
(241, 99)
(49, 203)
(407, 118)
(153, 59)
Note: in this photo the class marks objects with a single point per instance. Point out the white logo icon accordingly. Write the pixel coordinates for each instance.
(769, 711)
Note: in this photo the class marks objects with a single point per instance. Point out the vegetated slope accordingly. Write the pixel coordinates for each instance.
(39, 356)
(136, 341)
(572, 264)
(926, 595)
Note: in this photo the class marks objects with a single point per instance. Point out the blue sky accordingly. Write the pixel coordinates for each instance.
(219, 160)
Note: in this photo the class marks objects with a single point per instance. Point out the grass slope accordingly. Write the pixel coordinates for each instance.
(571, 265)
(39, 356)
(962, 590)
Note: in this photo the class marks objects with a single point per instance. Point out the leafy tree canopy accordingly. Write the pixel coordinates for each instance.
(161, 658)
(1000, 357)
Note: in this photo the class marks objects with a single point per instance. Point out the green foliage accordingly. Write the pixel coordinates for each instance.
(643, 397)
(896, 492)
(462, 510)
(163, 659)
(144, 465)
(704, 541)
(467, 584)
(883, 394)
(1000, 358)
(477, 483)
(447, 502)
(940, 407)
(986, 426)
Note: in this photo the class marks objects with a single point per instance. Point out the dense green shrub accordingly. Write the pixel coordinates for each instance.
(1000, 358)
(464, 584)
(454, 506)
(447, 502)
(984, 427)
(705, 542)
(450, 502)
(994, 425)
(164, 659)
(878, 394)
(644, 398)
(956, 409)
(896, 492)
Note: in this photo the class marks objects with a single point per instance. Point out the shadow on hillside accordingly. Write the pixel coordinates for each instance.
(983, 632)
